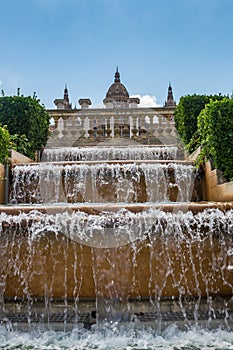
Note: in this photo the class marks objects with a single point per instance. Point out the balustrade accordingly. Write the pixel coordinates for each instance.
(96, 125)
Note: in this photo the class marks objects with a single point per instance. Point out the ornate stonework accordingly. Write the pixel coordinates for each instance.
(120, 121)
(170, 100)
(117, 95)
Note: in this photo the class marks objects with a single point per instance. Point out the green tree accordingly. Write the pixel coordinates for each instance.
(215, 126)
(21, 142)
(27, 118)
(186, 114)
(5, 145)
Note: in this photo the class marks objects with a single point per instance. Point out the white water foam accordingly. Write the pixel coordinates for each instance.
(117, 338)
(109, 153)
(51, 183)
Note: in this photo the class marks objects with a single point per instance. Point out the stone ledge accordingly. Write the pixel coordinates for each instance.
(222, 192)
(18, 158)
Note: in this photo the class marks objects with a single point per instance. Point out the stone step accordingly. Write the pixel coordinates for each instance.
(183, 162)
(113, 207)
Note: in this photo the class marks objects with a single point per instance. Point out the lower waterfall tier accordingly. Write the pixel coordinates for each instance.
(116, 254)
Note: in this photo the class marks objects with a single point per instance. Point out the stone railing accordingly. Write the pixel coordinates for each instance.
(143, 125)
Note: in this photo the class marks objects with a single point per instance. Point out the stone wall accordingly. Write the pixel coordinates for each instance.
(215, 190)
(18, 158)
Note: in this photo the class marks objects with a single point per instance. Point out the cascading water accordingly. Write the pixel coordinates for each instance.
(183, 255)
(97, 183)
(113, 246)
(109, 153)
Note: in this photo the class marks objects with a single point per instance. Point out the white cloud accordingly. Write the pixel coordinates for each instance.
(0, 82)
(147, 101)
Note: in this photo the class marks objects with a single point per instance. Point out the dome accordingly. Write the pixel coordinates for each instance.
(117, 90)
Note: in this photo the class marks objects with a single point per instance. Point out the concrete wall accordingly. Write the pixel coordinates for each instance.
(216, 191)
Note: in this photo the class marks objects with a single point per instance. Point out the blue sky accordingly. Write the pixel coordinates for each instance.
(46, 44)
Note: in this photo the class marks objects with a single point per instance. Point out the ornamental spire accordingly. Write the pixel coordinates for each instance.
(66, 95)
(117, 76)
(170, 100)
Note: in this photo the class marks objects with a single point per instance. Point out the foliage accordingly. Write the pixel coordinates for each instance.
(186, 115)
(21, 142)
(215, 126)
(27, 118)
(5, 145)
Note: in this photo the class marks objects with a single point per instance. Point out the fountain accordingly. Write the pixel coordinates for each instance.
(72, 223)
(100, 240)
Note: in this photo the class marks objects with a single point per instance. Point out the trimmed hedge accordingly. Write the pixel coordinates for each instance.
(186, 115)
(215, 127)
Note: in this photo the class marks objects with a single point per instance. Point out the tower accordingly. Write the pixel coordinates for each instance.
(170, 100)
(63, 103)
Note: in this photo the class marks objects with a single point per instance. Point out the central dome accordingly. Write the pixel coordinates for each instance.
(117, 95)
(117, 90)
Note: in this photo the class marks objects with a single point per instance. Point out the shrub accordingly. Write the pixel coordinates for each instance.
(21, 143)
(215, 126)
(186, 115)
(5, 145)
(25, 116)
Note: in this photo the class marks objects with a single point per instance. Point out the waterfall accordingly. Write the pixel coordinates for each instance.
(145, 182)
(109, 153)
(188, 255)
(110, 235)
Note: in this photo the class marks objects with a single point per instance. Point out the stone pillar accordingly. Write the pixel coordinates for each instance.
(91, 127)
(56, 118)
(82, 130)
(65, 131)
(160, 126)
(151, 125)
(168, 128)
(133, 102)
(84, 103)
(108, 129)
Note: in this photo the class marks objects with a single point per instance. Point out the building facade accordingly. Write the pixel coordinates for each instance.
(120, 121)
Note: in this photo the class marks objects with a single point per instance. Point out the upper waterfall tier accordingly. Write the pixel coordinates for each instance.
(103, 182)
(110, 153)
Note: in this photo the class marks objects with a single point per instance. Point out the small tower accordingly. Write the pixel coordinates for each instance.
(117, 76)
(63, 103)
(170, 100)
(66, 95)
